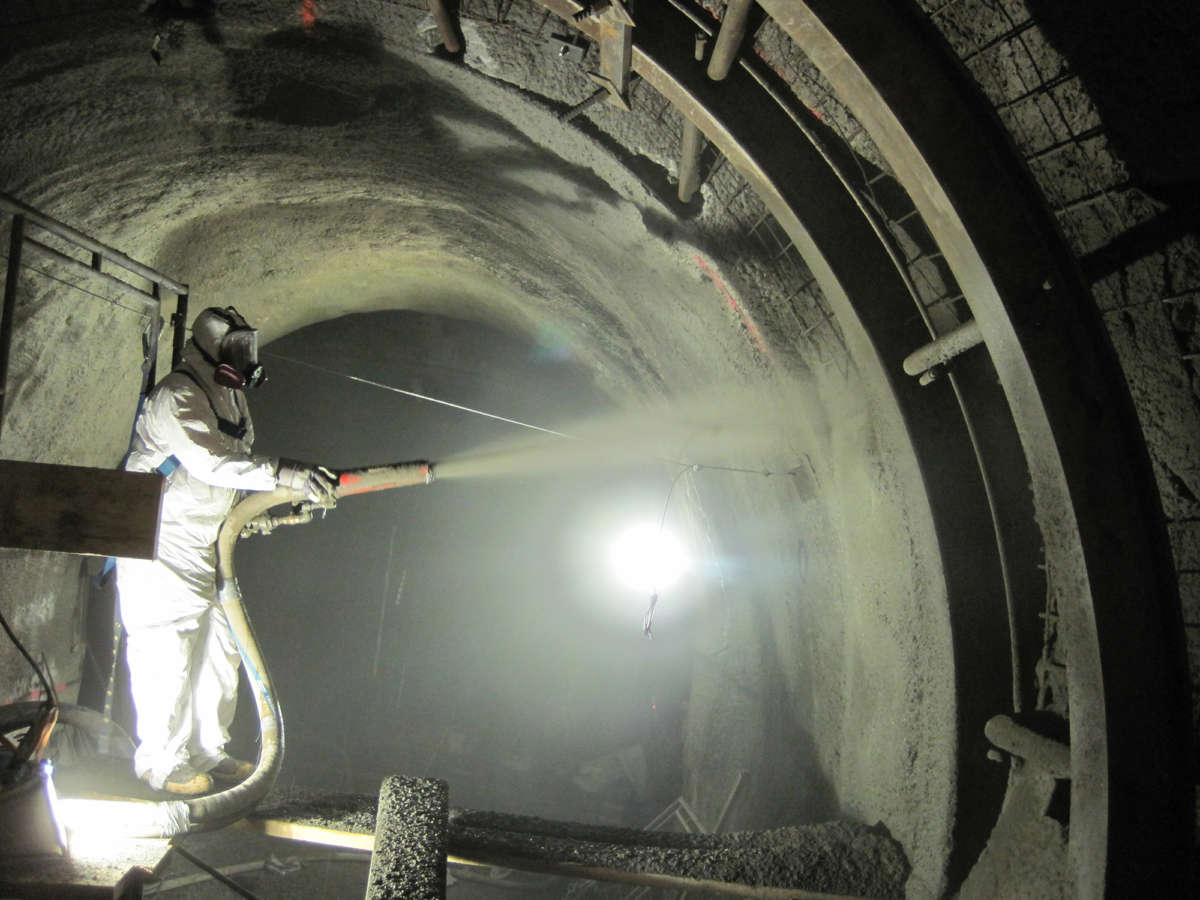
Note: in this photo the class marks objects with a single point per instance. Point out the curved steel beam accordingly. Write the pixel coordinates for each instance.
(861, 282)
(1103, 529)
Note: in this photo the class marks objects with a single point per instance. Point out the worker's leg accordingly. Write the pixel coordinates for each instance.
(214, 689)
(162, 628)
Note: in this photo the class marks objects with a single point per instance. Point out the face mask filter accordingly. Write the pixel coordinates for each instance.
(239, 355)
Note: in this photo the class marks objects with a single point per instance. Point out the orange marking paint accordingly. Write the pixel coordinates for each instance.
(747, 323)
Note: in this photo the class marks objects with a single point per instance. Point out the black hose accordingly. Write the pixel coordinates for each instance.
(19, 715)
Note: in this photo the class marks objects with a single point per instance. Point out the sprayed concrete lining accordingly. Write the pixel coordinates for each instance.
(237, 193)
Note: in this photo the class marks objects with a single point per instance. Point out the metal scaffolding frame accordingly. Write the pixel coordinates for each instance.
(151, 299)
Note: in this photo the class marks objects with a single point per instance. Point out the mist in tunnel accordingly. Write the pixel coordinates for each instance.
(469, 247)
(477, 630)
(454, 631)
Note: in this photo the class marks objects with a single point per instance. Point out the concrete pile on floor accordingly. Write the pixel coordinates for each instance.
(415, 832)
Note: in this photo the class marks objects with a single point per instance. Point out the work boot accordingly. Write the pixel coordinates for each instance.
(185, 781)
(231, 771)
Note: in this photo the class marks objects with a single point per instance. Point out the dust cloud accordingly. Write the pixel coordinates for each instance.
(737, 427)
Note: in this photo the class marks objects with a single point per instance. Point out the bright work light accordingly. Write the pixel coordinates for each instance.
(647, 558)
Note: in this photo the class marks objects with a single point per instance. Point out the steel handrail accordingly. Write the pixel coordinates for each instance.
(24, 215)
(66, 232)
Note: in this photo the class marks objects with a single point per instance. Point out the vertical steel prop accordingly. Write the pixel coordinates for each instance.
(179, 323)
(692, 144)
(446, 27)
(616, 52)
(729, 38)
(10, 303)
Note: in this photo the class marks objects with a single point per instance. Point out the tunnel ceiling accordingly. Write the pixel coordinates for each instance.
(306, 169)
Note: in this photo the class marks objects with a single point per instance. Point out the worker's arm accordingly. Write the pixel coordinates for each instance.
(181, 420)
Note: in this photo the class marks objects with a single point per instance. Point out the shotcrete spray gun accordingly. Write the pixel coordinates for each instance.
(350, 483)
(252, 516)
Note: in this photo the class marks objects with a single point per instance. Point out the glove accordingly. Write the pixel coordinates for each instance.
(316, 482)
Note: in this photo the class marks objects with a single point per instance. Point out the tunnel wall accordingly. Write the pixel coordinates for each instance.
(249, 213)
(1147, 296)
(1122, 200)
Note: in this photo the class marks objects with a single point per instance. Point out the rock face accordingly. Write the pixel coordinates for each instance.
(301, 176)
(308, 164)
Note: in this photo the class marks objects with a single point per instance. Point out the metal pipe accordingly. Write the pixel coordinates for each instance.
(12, 204)
(179, 321)
(689, 161)
(214, 873)
(943, 349)
(591, 100)
(10, 303)
(446, 26)
(146, 297)
(692, 143)
(1045, 753)
(729, 38)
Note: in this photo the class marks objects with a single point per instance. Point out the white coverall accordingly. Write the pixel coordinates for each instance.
(182, 658)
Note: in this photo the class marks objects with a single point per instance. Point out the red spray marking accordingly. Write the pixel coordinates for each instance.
(308, 14)
(347, 480)
(750, 327)
(37, 693)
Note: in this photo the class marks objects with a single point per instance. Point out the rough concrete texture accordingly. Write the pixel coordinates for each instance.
(1026, 839)
(492, 209)
(295, 171)
(409, 859)
(352, 813)
(1093, 103)
(834, 858)
(42, 602)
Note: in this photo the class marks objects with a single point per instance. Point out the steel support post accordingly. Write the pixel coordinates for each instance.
(1097, 502)
(692, 143)
(729, 38)
(179, 321)
(690, 148)
(12, 276)
(447, 27)
(616, 53)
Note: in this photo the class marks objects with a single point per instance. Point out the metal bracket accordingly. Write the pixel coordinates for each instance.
(569, 49)
(616, 50)
(616, 96)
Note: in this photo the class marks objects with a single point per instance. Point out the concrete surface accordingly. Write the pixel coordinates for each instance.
(305, 171)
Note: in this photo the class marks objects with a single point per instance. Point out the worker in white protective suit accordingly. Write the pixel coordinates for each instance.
(195, 428)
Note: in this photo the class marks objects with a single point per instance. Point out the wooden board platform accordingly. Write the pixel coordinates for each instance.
(74, 509)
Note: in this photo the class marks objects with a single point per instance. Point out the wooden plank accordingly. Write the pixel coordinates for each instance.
(74, 509)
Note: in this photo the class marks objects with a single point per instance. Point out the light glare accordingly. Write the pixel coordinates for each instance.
(648, 559)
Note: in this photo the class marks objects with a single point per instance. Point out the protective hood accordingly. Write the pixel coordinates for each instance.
(228, 342)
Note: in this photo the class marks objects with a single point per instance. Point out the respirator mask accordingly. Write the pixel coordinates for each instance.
(235, 343)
